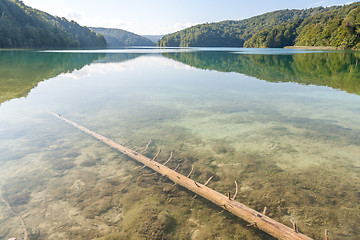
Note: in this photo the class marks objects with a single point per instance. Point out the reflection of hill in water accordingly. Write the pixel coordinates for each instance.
(20, 71)
(338, 70)
(118, 57)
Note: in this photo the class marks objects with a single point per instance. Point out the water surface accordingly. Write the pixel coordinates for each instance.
(283, 123)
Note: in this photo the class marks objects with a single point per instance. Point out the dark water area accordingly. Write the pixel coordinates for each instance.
(285, 124)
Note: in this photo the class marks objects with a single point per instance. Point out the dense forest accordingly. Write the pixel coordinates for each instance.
(331, 26)
(121, 38)
(337, 28)
(24, 27)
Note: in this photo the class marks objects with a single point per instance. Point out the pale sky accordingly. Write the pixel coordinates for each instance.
(154, 17)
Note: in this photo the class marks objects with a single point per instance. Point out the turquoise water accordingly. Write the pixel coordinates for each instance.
(283, 123)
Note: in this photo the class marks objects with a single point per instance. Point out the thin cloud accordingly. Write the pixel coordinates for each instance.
(93, 21)
(74, 15)
(325, 3)
(107, 23)
(319, 3)
(69, 14)
(175, 27)
(99, 68)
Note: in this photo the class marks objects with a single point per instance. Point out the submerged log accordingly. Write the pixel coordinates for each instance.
(17, 215)
(251, 216)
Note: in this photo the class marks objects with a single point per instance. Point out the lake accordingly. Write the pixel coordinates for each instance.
(285, 124)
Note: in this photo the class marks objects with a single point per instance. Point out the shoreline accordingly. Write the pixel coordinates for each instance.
(318, 48)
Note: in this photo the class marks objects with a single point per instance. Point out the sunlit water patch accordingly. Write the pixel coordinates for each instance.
(292, 142)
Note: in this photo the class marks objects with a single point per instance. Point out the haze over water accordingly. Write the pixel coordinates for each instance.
(283, 123)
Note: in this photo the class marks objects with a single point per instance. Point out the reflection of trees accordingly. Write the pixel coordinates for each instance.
(20, 71)
(118, 57)
(338, 70)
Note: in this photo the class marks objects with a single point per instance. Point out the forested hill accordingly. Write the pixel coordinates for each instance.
(24, 27)
(338, 28)
(121, 38)
(235, 33)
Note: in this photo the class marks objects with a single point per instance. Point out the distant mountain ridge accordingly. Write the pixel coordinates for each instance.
(121, 38)
(25, 27)
(236, 33)
(154, 38)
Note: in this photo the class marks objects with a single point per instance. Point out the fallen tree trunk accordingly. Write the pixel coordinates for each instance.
(17, 215)
(251, 216)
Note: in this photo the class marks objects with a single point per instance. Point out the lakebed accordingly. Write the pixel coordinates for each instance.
(283, 123)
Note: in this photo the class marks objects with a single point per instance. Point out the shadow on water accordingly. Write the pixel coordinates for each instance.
(336, 70)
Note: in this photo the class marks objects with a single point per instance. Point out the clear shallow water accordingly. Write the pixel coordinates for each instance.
(285, 125)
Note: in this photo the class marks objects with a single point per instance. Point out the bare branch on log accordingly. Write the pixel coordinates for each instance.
(220, 212)
(208, 180)
(204, 185)
(146, 147)
(326, 234)
(192, 169)
(236, 192)
(150, 174)
(176, 167)
(171, 153)
(264, 211)
(156, 155)
(294, 225)
(252, 224)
